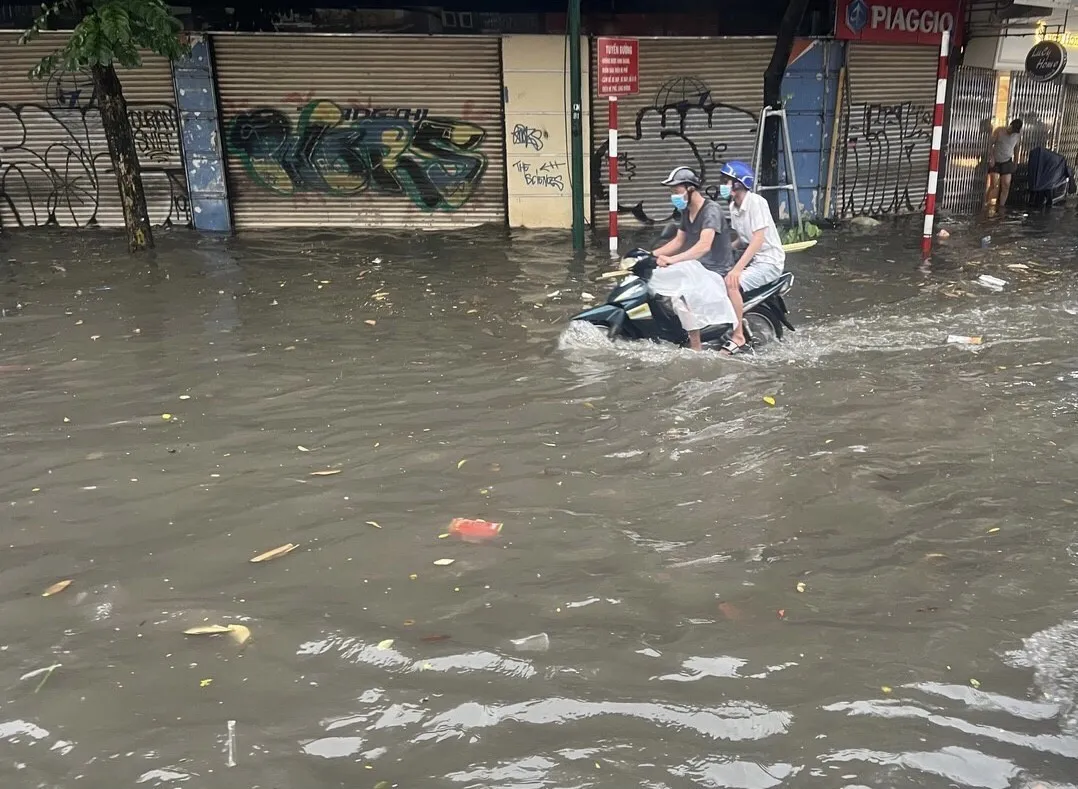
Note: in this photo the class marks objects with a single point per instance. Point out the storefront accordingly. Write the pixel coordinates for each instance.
(698, 106)
(362, 131)
(54, 160)
(889, 92)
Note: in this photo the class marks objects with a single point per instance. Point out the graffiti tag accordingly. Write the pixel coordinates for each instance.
(691, 129)
(528, 138)
(879, 174)
(434, 162)
(55, 167)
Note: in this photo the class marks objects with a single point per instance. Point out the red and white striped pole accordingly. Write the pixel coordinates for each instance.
(613, 123)
(937, 143)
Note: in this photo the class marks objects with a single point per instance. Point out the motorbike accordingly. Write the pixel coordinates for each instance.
(632, 312)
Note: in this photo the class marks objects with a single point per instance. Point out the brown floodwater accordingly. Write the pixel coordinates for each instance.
(870, 583)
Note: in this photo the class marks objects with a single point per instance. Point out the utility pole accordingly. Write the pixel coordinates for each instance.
(576, 126)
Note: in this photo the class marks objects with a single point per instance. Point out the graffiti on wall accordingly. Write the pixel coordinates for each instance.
(55, 166)
(885, 167)
(434, 162)
(682, 125)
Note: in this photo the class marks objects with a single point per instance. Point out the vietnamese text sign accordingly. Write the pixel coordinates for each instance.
(619, 66)
(898, 21)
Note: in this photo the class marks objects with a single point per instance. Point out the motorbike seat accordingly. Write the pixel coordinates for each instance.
(777, 284)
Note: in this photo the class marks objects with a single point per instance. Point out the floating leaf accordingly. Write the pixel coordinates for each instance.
(993, 531)
(275, 553)
(935, 556)
(443, 536)
(443, 562)
(769, 400)
(409, 622)
(462, 462)
(375, 524)
(207, 630)
(166, 417)
(202, 683)
(385, 644)
(371, 323)
(801, 586)
(887, 689)
(302, 448)
(329, 472)
(56, 588)
(975, 683)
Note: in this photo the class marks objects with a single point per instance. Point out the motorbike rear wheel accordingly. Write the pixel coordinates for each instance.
(759, 330)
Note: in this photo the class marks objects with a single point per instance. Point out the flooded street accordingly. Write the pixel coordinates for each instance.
(870, 583)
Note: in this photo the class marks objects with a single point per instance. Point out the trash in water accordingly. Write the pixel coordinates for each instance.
(992, 283)
(958, 339)
(474, 530)
(540, 642)
(986, 241)
(943, 234)
(56, 588)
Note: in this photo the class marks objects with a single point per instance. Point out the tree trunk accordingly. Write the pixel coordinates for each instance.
(110, 98)
(776, 69)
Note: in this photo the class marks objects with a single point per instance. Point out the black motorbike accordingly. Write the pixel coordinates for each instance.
(632, 312)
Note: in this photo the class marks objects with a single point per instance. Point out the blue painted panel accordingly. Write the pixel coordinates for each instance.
(193, 79)
(211, 214)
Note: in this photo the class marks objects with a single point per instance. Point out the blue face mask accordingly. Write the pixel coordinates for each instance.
(725, 191)
(681, 202)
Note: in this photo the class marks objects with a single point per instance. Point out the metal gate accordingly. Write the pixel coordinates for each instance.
(1067, 137)
(973, 99)
(887, 125)
(362, 131)
(54, 159)
(698, 105)
(1038, 105)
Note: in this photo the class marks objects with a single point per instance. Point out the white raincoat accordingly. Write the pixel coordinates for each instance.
(698, 295)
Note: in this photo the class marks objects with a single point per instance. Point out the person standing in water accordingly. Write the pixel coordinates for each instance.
(1001, 165)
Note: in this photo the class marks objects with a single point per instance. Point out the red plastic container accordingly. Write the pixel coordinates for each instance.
(474, 530)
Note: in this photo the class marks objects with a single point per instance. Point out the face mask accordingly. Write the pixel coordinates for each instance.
(681, 202)
(725, 191)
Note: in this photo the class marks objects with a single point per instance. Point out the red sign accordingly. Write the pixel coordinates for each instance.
(619, 66)
(898, 21)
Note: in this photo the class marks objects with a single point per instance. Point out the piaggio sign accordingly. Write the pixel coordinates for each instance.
(898, 21)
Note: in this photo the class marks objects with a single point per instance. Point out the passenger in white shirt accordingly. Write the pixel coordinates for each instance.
(762, 257)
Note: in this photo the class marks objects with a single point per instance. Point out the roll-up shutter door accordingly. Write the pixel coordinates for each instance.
(1038, 104)
(54, 158)
(972, 104)
(698, 106)
(1067, 139)
(889, 104)
(362, 131)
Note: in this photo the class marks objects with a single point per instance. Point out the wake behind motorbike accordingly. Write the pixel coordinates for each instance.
(632, 312)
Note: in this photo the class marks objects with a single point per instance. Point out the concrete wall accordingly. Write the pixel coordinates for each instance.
(536, 93)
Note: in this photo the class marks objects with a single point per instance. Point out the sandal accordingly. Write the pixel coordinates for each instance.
(730, 348)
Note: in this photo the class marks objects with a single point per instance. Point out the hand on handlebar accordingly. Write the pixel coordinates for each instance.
(663, 261)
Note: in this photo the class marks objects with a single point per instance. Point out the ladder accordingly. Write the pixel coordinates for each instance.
(788, 155)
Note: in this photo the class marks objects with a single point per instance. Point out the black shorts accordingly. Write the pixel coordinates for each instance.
(1003, 168)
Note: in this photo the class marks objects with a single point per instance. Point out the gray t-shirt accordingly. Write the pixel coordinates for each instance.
(1006, 142)
(720, 258)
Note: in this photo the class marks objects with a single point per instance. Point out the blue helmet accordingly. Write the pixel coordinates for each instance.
(741, 172)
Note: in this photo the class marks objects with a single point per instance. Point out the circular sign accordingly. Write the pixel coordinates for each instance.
(1046, 60)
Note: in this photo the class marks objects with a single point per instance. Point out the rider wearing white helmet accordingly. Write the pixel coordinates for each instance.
(762, 258)
(693, 262)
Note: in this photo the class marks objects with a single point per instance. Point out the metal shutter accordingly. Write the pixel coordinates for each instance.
(54, 160)
(362, 131)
